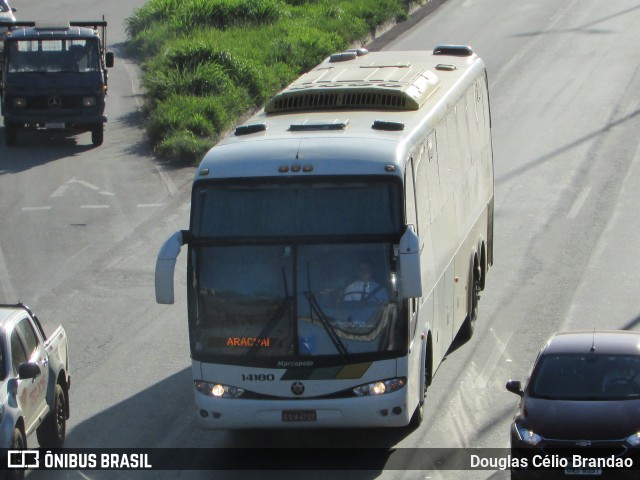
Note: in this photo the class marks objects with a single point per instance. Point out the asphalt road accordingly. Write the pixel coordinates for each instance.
(563, 82)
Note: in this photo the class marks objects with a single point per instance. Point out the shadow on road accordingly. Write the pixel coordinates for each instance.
(163, 416)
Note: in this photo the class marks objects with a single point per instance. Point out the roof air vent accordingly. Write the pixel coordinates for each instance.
(387, 125)
(338, 124)
(252, 128)
(343, 56)
(453, 50)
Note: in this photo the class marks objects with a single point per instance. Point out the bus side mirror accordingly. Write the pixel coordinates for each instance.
(108, 59)
(166, 266)
(410, 271)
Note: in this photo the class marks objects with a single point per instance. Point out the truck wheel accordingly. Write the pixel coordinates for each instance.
(10, 134)
(52, 432)
(97, 134)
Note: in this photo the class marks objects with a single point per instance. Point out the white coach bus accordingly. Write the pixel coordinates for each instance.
(338, 243)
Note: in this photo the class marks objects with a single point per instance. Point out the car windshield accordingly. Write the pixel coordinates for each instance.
(589, 376)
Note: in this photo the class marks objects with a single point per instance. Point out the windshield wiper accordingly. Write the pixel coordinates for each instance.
(313, 303)
(279, 313)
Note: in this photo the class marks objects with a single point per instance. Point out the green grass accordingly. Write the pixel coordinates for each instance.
(206, 62)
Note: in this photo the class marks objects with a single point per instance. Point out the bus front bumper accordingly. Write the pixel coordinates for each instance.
(387, 410)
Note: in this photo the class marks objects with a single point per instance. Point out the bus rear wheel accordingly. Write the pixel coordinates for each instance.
(469, 325)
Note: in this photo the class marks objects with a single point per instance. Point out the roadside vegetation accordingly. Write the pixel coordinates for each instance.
(207, 62)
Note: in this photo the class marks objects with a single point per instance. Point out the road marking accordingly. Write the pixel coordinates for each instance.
(577, 205)
(95, 206)
(149, 205)
(34, 209)
(63, 188)
(631, 108)
(493, 360)
(5, 281)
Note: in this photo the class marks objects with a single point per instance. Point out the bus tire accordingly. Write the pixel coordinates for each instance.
(418, 414)
(52, 432)
(469, 325)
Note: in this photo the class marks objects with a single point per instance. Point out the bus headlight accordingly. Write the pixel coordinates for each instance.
(217, 390)
(19, 102)
(89, 102)
(378, 388)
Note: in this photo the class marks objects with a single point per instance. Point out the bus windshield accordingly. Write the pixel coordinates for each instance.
(267, 291)
(294, 302)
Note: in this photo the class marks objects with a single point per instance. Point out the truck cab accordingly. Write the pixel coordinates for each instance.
(54, 77)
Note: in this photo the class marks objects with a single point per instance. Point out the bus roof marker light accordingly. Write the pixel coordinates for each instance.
(389, 168)
(296, 168)
(307, 168)
(204, 172)
(283, 169)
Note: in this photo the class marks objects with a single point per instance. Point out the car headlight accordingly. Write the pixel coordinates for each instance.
(527, 436)
(634, 440)
(217, 390)
(378, 388)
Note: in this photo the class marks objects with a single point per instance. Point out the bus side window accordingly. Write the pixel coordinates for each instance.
(453, 141)
(474, 123)
(463, 134)
(444, 170)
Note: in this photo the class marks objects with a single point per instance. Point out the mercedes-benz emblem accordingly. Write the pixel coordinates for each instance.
(54, 102)
(297, 388)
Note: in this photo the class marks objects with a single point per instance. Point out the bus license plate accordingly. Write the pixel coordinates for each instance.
(298, 415)
(583, 471)
(54, 125)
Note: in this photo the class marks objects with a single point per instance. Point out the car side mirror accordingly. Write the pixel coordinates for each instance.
(108, 59)
(28, 370)
(514, 386)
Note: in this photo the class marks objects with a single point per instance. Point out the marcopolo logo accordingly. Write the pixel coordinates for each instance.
(23, 458)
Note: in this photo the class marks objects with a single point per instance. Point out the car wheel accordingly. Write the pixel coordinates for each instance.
(97, 134)
(18, 442)
(52, 432)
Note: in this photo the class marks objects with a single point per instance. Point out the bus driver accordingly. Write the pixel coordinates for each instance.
(365, 289)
